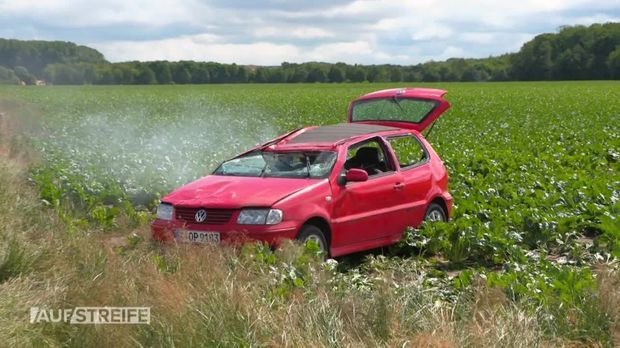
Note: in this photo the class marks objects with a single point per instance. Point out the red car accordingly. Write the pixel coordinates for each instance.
(348, 187)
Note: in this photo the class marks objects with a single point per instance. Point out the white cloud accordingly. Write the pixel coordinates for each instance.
(301, 32)
(85, 13)
(432, 32)
(195, 48)
(357, 31)
(481, 38)
(451, 51)
(478, 38)
(214, 49)
(353, 52)
(310, 33)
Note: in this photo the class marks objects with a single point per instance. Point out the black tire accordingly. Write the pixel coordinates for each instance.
(311, 232)
(435, 212)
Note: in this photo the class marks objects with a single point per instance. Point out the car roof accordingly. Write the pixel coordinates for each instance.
(336, 133)
(324, 137)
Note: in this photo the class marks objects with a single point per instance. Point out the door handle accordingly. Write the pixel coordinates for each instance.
(399, 186)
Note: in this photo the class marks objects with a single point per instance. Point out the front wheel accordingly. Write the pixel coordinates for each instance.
(313, 233)
(435, 213)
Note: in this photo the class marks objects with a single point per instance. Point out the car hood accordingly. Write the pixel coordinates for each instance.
(232, 192)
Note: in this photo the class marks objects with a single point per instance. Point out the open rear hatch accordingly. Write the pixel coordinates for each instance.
(409, 108)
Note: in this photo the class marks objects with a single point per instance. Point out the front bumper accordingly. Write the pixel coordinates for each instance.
(231, 233)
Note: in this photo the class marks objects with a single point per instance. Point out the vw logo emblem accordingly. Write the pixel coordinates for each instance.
(201, 215)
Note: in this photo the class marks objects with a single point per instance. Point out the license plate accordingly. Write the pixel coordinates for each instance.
(198, 237)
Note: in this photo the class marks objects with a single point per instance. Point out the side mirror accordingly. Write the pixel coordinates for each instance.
(356, 175)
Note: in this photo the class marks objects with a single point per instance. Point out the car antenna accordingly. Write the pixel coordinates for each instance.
(430, 129)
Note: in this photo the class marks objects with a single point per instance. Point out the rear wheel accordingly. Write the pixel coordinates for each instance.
(313, 233)
(435, 212)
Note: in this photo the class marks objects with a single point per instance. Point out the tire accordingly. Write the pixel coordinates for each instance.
(435, 212)
(311, 232)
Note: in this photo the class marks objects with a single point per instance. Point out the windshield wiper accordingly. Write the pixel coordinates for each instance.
(307, 165)
(262, 171)
(395, 101)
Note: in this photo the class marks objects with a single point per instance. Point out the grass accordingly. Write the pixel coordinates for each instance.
(493, 277)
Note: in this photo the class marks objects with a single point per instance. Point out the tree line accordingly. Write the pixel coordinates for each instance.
(27, 60)
(574, 53)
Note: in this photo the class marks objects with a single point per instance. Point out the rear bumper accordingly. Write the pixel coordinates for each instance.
(163, 230)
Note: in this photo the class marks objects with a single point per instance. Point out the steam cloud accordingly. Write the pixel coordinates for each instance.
(148, 150)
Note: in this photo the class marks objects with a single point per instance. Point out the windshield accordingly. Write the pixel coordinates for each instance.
(392, 109)
(280, 164)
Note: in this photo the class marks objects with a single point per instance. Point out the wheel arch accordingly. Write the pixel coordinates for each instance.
(322, 224)
(442, 203)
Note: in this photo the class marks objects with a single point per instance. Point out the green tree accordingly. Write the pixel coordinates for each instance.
(106, 77)
(277, 75)
(336, 74)
(145, 76)
(36, 55)
(90, 73)
(571, 64)
(316, 74)
(24, 75)
(356, 74)
(243, 75)
(500, 75)
(63, 74)
(181, 75)
(476, 72)
(300, 74)
(201, 74)
(396, 74)
(262, 75)
(431, 75)
(613, 63)
(124, 74)
(221, 74)
(377, 74)
(162, 71)
(7, 76)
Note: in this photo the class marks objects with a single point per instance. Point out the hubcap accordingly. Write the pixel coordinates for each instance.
(435, 215)
(317, 240)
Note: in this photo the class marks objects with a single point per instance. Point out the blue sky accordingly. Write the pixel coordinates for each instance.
(273, 31)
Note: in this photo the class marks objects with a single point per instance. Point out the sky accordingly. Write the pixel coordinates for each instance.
(270, 32)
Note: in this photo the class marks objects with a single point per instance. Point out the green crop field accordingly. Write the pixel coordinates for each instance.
(534, 171)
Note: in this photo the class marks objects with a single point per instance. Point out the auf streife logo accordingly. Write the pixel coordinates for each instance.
(92, 315)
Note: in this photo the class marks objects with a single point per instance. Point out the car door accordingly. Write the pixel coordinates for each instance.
(368, 210)
(413, 161)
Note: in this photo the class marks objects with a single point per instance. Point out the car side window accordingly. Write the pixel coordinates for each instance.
(408, 150)
(368, 155)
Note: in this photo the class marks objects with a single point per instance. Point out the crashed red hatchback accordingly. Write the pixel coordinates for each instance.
(348, 187)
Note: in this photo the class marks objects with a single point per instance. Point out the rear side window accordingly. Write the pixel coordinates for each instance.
(409, 151)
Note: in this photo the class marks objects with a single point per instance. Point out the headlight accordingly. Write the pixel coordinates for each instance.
(260, 217)
(165, 211)
(274, 217)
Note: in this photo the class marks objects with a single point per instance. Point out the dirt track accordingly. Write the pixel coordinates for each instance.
(13, 114)
(8, 128)
(4, 133)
